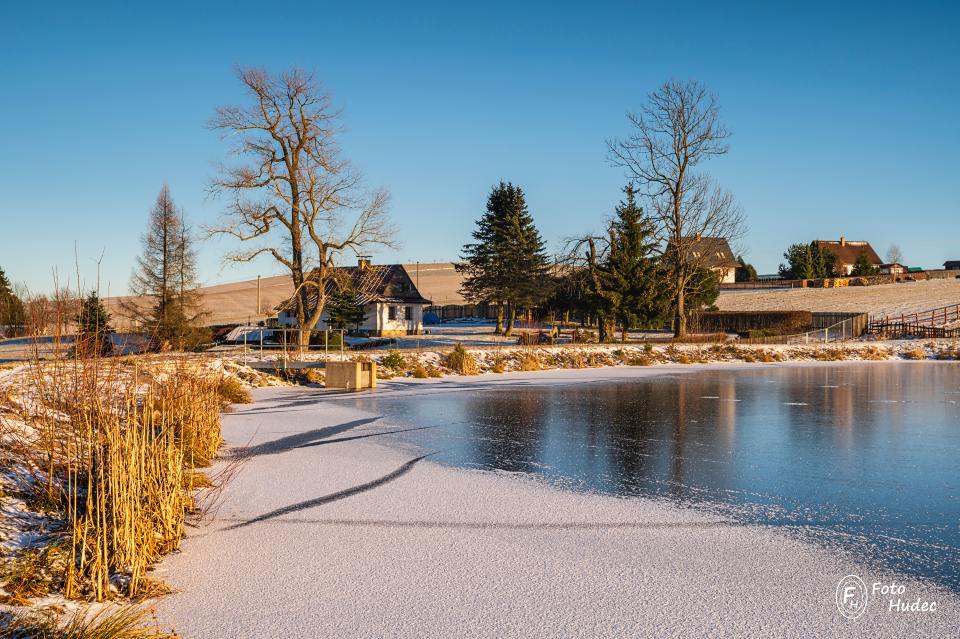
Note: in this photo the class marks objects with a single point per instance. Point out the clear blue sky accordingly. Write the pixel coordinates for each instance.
(845, 119)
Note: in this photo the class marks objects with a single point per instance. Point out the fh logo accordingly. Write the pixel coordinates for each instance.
(851, 597)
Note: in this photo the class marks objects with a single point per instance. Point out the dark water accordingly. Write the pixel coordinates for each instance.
(864, 457)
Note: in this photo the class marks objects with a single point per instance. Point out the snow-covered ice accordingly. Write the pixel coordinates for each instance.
(333, 529)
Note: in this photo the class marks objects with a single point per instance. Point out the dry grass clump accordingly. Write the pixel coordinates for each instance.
(915, 353)
(830, 354)
(461, 361)
(529, 362)
(32, 572)
(875, 353)
(121, 623)
(231, 391)
(949, 352)
(420, 371)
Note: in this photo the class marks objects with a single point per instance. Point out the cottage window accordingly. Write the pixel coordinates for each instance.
(408, 312)
(392, 312)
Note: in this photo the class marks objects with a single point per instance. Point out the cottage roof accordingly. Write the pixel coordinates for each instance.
(711, 252)
(387, 283)
(847, 251)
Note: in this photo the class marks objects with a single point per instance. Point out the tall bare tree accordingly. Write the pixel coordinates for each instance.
(677, 130)
(293, 195)
(894, 255)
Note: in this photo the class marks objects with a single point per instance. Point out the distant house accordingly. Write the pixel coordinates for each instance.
(951, 265)
(894, 268)
(392, 305)
(847, 252)
(713, 253)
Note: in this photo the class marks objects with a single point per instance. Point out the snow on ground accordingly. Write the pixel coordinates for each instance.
(883, 299)
(332, 529)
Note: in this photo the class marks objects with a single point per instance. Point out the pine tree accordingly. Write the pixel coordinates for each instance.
(507, 263)
(12, 315)
(93, 328)
(344, 311)
(632, 282)
(862, 267)
(745, 272)
(167, 276)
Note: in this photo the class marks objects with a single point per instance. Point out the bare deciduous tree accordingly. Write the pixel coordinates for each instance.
(292, 192)
(673, 134)
(894, 256)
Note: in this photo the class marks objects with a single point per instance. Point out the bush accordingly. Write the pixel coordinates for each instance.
(462, 361)
(394, 360)
(420, 371)
(333, 339)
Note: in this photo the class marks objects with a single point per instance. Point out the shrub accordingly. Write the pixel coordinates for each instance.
(420, 371)
(461, 361)
(231, 391)
(394, 360)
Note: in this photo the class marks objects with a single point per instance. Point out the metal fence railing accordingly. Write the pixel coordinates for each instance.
(849, 328)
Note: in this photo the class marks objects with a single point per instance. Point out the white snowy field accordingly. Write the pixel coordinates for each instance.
(880, 300)
(332, 528)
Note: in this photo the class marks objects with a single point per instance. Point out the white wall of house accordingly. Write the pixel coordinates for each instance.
(379, 319)
(726, 275)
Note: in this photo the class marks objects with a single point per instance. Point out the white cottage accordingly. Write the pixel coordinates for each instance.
(392, 305)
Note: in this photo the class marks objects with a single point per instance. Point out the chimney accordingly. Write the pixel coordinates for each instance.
(363, 261)
(843, 241)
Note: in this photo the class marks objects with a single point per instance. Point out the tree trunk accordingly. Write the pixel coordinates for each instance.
(510, 320)
(680, 317)
(623, 333)
(499, 329)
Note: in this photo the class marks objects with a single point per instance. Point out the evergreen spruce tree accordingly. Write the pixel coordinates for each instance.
(745, 272)
(632, 282)
(166, 275)
(862, 267)
(12, 315)
(507, 263)
(343, 311)
(93, 328)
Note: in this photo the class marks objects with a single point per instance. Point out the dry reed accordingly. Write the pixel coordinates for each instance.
(112, 451)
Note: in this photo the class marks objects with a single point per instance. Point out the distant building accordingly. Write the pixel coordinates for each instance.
(713, 253)
(392, 304)
(894, 268)
(847, 252)
(952, 265)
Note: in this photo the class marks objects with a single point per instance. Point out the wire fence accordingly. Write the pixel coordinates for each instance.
(847, 329)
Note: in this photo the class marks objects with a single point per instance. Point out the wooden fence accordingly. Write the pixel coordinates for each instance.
(927, 324)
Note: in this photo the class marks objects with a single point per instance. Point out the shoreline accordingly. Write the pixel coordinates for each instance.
(329, 530)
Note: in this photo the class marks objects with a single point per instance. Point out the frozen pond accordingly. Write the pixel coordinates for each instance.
(861, 456)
